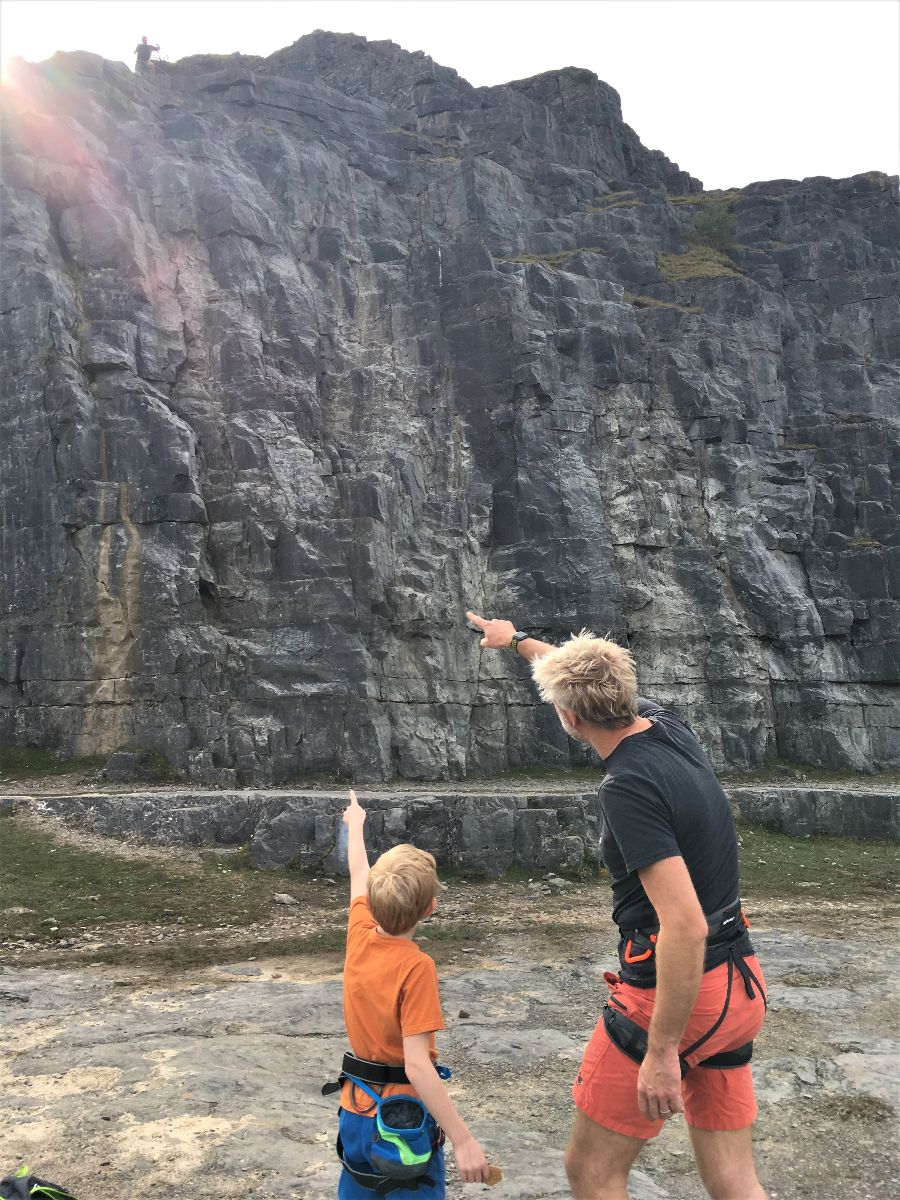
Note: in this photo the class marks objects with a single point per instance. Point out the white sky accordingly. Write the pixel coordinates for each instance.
(734, 91)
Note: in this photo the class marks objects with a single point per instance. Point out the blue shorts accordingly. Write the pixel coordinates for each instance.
(356, 1135)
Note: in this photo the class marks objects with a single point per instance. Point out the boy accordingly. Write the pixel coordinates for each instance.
(392, 1010)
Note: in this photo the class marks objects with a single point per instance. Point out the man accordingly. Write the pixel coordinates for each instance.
(677, 1030)
(142, 56)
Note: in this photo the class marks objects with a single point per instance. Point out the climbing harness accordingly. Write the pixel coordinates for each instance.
(402, 1141)
(23, 1186)
(727, 937)
(728, 941)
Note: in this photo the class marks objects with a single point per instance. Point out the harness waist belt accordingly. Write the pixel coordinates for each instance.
(369, 1072)
(724, 924)
(376, 1073)
(372, 1072)
(727, 930)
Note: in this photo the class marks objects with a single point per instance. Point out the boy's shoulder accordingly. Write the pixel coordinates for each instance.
(361, 922)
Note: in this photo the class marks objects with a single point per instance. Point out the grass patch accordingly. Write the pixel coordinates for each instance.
(860, 1107)
(714, 197)
(607, 203)
(190, 953)
(553, 260)
(447, 933)
(80, 888)
(26, 762)
(864, 543)
(816, 868)
(699, 262)
(652, 302)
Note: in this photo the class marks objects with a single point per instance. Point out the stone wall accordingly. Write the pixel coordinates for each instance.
(485, 833)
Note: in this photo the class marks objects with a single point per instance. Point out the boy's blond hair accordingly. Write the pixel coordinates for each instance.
(402, 884)
(591, 677)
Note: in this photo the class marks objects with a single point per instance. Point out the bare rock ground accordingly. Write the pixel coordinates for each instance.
(118, 1083)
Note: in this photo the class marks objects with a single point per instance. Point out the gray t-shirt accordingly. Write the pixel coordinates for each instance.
(661, 798)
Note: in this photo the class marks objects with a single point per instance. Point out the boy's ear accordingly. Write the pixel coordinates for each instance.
(431, 907)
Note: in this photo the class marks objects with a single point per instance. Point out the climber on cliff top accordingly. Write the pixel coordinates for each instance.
(142, 56)
(676, 1032)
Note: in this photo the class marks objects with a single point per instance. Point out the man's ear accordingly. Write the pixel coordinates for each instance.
(568, 717)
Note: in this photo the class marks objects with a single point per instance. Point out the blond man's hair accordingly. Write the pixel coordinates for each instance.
(591, 677)
(402, 884)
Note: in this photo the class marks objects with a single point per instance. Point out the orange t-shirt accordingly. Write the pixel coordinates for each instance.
(390, 992)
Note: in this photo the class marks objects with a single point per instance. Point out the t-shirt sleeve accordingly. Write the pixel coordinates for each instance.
(359, 919)
(640, 819)
(656, 712)
(420, 1002)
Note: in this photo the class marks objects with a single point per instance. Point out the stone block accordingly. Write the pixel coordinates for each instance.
(482, 834)
(109, 346)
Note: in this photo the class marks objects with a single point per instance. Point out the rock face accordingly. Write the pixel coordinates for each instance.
(305, 355)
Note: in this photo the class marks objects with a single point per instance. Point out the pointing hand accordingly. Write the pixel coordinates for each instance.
(497, 634)
(353, 813)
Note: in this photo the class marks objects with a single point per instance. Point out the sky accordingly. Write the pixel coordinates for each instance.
(734, 91)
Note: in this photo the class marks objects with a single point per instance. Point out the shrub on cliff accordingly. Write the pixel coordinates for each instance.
(714, 226)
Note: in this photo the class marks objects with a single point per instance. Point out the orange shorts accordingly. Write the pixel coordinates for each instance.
(605, 1088)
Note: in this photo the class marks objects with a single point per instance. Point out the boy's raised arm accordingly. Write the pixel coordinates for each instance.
(357, 859)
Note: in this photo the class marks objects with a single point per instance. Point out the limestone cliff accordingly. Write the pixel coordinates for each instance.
(305, 355)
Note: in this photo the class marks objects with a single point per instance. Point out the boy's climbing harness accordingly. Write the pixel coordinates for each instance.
(404, 1136)
(23, 1186)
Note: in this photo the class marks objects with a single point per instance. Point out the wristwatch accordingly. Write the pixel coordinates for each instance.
(516, 638)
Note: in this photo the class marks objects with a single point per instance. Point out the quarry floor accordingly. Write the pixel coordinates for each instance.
(166, 1024)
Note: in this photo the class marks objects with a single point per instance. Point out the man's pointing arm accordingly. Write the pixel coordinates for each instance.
(498, 635)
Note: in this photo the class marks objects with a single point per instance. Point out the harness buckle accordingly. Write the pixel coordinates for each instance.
(631, 958)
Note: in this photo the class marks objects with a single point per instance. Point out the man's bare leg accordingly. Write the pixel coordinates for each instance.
(598, 1161)
(725, 1162)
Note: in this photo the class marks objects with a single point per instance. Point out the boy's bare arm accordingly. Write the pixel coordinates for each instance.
(357, 859)
(470, 1158)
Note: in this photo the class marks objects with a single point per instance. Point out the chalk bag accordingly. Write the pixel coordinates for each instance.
(402, 1145)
